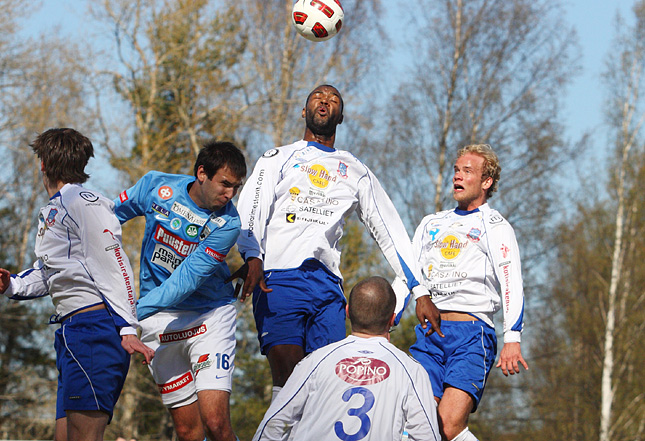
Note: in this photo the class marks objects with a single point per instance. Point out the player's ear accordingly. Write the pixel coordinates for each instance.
(42, 166)
(487, 183)
(347, 311)
(304, 113)
(392, 320)
(201, 174)
(340, 120)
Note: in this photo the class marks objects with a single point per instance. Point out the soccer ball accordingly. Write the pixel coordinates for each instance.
(317, 20)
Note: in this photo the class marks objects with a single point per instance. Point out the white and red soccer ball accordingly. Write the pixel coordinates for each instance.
(317, 20)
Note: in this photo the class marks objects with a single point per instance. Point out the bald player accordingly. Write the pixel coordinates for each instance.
(360, 388)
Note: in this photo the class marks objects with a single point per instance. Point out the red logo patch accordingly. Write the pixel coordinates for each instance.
(215, 255)
(123, 196)
(165, 192)
(177, 384)
(362, 370)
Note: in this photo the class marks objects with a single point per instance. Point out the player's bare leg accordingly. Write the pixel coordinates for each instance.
(60, 431)
(188, 422)
(216, 414)
(85, 425)
(282, 360)
(453, 412)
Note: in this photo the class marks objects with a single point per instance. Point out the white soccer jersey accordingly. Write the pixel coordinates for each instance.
(80, 259)
(357, 389)
(297, 200)
(468, 259)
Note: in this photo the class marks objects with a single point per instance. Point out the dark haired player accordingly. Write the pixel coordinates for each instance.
(293, 212)
(186, 306)
(82, 265)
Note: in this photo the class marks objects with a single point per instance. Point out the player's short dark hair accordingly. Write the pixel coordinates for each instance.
(371, 305)
(217, 154)
(64, 153)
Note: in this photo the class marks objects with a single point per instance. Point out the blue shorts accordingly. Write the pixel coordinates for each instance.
(305, 308)
(462, 359)
(91, 363)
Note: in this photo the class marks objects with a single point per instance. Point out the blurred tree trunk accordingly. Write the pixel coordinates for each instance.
(590, 382)
(626, 115)
(494, 72)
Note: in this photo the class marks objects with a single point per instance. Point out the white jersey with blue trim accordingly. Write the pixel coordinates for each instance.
(80, 258)
(297, 200)
(470, 263)
(355, 389)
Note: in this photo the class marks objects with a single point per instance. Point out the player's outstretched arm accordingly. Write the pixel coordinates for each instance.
(428, 312)
(253, 275)
(510, 358)
(5, 280)
(132, 344)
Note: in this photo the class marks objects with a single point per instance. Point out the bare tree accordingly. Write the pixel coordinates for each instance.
(626, 114)
(591, 383)
(485, 71)
(172, 73)
(280, 67)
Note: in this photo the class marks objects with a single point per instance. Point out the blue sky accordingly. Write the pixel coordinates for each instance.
(592, 19)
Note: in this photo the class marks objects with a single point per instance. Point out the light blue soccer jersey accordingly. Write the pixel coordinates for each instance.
(178, 231)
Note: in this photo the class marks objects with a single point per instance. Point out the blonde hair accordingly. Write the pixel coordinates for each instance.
(491, 168)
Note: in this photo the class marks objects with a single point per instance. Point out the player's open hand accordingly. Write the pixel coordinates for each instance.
(253, 275)
(132, 344)
(428, 312)
(510, 359)
(5, 280)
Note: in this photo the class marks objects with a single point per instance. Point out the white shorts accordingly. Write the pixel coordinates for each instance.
(193, 352)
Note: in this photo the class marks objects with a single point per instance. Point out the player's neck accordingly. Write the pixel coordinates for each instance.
(326, 140)
(470, 205)
(364, 335)
(52, 189)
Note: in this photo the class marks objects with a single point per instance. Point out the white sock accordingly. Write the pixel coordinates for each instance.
(465, 435)
(275, 390)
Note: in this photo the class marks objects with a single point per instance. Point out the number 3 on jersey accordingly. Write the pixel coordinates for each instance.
(358, 412)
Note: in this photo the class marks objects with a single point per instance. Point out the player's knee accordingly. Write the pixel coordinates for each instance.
(219, 428)
(189, 433)
(451, 428)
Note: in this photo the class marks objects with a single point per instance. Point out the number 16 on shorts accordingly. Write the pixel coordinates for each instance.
(222, 361)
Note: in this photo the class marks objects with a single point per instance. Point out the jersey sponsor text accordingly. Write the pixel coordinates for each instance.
(188, 214)
(175, 385)
(215, 255)
(165, 258)
(362, 370)
(182, 335)
(181, 246)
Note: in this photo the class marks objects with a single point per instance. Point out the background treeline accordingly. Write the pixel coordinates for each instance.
(155, 78)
